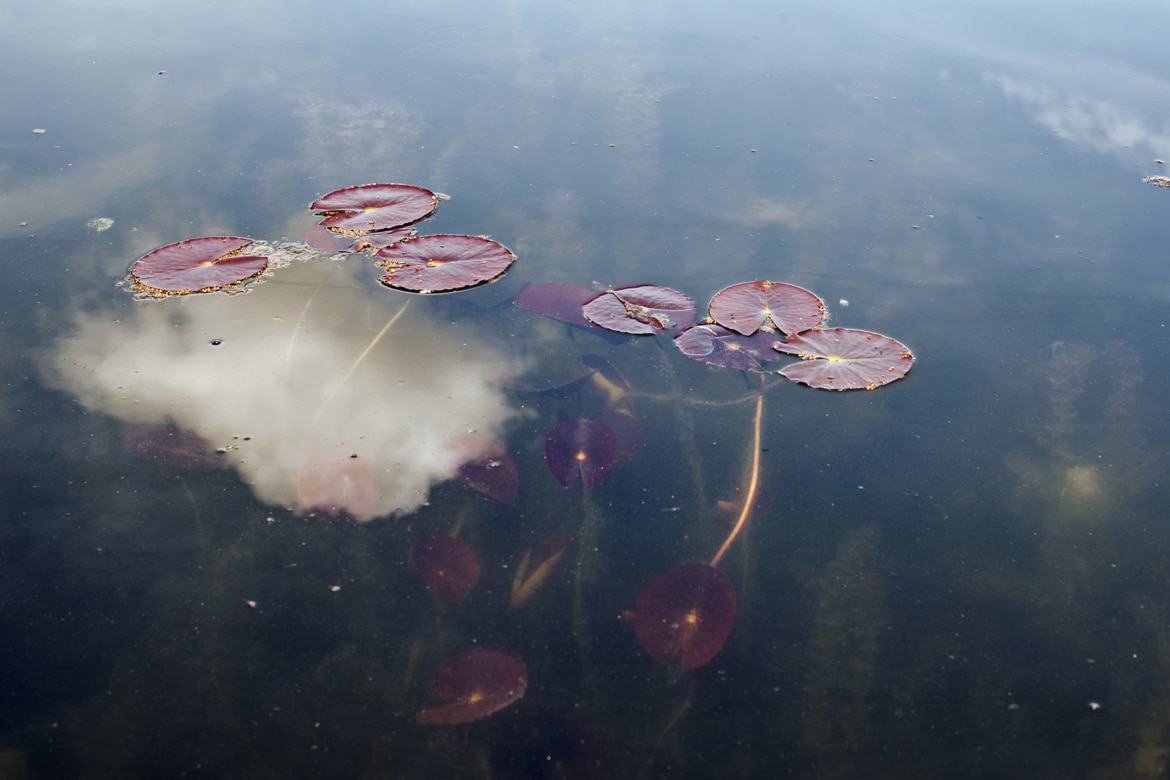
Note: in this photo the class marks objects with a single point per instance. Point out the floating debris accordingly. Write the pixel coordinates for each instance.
(39, 131)
(100, 224)
(1158, 181)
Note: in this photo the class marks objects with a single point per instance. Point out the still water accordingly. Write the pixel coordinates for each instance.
(961, 574)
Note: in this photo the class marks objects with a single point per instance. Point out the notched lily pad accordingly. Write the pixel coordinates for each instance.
(749, 306)
(442, 263)
(197, 265)
(640, 310)
(845, 359)
(715, 345)
(356, 211)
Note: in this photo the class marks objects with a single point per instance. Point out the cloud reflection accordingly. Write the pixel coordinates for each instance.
(1091, 123)
(266, 376)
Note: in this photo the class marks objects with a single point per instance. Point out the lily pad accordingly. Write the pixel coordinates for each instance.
(585, 447)
(448, 566)
(355, 211)
(442, 263)
(475, 685)
(197, 265)
(715, 345)
(845, 359)
(749, 306)
(640, 310)
(557, 300)
(685, 613)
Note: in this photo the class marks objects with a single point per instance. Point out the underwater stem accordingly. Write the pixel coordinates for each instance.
(750, 499)
(369, 348)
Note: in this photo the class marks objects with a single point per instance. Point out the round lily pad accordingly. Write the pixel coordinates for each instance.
(475, 685)
(197, 265)
(749, 306)
(442, 263)
(358, 210)
(685, 613)
(845, 359)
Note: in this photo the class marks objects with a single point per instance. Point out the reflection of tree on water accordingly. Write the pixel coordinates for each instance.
(1085, 491)
(1094, 460)
(837, 731)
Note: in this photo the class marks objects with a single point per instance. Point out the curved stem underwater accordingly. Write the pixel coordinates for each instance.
(753, 484)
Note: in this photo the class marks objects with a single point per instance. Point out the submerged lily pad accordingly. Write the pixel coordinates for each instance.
(715, 345)
(585, 447)
(197, 265)
(443, 263)
(475, 685)
(685, 613)
(448, 566)
(557, 300)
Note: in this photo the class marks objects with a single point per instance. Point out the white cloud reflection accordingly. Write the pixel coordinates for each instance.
(1090, 122)
(274, 390)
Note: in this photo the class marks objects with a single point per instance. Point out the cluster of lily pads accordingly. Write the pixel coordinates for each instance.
(739, 331)
(372, 218)
(685, 614)
(480, 682)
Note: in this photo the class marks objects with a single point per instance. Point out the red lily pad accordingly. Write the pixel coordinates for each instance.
(845, 359)
(356, 211)
(747, 307)
(556, 300)
(581, 446)
(487, 469)
(443, 263)
(197, 265)
(640, 310)
(448, 567)
(382, 238)
(475, 685)
(628, 436)
(172, 446)
(715, 345)
(326, 240)
(685, 613)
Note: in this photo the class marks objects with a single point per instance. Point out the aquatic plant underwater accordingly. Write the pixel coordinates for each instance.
(683, 615)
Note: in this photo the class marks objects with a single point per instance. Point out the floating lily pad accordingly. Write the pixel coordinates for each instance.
(475, 685)
(197, 265)
(448, 566)
(640, 310)
(443, 263)
(356, 211)
(747, 307)
(845, 359)
(715, 345)
(685, 613)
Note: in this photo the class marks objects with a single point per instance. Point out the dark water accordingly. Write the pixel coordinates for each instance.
(961, 574)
